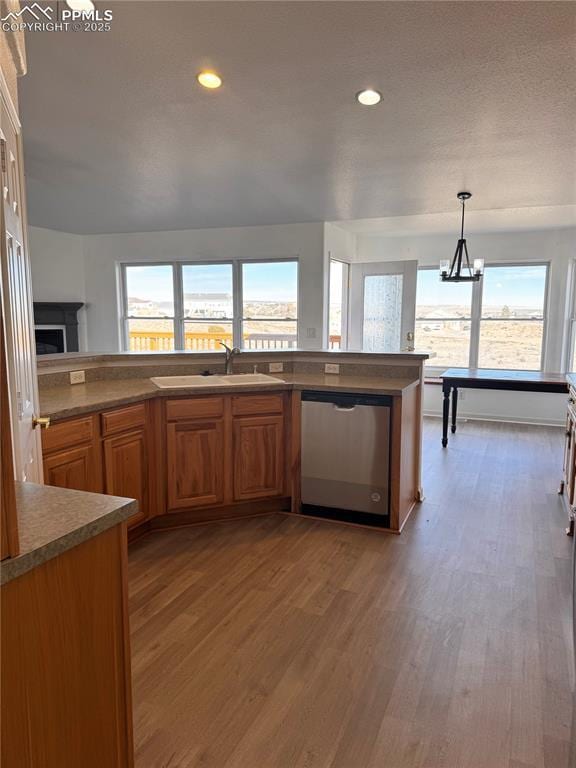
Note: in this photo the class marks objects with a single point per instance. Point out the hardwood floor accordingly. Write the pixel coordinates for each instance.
(283, 642)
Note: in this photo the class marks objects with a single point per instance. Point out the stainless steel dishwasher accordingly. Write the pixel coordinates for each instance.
(346, 457)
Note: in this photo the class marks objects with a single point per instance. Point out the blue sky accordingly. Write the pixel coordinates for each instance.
(267, 282)
(501, 285)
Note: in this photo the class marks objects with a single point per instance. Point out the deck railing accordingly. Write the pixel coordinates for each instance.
(163, 341)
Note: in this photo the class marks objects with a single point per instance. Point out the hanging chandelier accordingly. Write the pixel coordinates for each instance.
(460, 270)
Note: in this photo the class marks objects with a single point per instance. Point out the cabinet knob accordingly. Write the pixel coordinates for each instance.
(41, 421)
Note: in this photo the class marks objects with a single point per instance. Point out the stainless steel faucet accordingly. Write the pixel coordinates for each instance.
(230, 352)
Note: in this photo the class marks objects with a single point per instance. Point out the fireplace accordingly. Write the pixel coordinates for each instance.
(50, 339)
(56, 326)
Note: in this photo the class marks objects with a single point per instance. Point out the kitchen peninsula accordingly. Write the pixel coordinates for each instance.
(219, 450)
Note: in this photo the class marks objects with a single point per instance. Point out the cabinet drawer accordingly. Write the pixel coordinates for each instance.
(194, 408)
(68, 433)
(123, 419)
(248, 405)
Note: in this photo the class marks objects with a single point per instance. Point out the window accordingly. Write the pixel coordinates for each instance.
(337, 306)
(149, 292)
(269, 304)
(196, 306)
(512, 321)
(381, 327)
(497, 322)
(208, 305)
(443, 319)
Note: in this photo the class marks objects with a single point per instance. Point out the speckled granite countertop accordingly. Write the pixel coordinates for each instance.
(73, 400)
(53, 520)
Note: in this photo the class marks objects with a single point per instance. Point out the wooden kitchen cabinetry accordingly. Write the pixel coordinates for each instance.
(185, 460)
(258, 437)
(103, 453)
(75, 468)
(195, 452)
(71, 455)
(568, 484)
(222, 451)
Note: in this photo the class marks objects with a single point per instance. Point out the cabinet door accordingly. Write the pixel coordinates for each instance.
(75, 468)
(258, 446)
(126, 470)
(195, 452)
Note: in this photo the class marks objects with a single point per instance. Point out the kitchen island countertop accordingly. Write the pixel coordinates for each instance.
(62, 402)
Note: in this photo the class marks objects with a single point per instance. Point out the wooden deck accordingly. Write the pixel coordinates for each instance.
(284, 642)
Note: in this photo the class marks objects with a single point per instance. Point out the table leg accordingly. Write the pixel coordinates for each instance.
(454, 407)
(445, 414)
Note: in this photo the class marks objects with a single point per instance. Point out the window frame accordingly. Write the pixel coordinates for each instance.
(240, 292)
(569, 350)
(179, 319)
(476, 314)
(344, 301)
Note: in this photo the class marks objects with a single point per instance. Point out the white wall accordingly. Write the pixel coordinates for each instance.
(102, 254)
(557, 246)
(57, 263)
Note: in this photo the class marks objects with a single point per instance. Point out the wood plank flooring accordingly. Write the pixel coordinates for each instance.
(283, 642)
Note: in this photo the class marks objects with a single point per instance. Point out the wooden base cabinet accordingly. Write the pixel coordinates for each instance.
(109, 452)
(258, 456)
(76, 468)
(66, 690)
(568, 484)
(196, 463)
(126, 470)
(224, 451)
(196, 458)
(72, 456)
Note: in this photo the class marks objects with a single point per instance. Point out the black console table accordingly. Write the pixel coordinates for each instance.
(454, 379)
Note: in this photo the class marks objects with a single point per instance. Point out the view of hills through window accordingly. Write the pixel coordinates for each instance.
(510, 326)
(269, 305)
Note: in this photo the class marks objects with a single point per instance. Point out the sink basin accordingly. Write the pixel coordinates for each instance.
(249, 378)
(171, 382)
(234, 379)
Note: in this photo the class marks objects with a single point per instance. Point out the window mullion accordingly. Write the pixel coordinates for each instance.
(476, 315)
(178, 307)
(237, 303)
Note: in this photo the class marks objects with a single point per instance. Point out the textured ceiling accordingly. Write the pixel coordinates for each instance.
(120, 138)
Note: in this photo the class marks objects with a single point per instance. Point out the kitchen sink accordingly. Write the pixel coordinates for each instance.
(234, 379)
(249, 378)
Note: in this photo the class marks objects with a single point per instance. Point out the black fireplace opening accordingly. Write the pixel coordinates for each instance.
(49, 341)
(56, 326)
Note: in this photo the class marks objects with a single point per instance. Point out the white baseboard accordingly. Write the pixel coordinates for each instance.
(498, 417)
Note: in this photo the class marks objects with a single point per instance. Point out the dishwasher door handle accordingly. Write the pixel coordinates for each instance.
(344, 408)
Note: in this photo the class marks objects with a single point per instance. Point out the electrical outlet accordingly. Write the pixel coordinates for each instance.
(310, 333)
(276, 367)
(331, 368)
(461, 394)
(77, 377)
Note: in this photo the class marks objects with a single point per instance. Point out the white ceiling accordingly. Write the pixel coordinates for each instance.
(499, 220)
(477, 95)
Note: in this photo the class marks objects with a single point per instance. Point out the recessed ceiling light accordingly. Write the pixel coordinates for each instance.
(80, 5)
(369, 97)
(209, 79)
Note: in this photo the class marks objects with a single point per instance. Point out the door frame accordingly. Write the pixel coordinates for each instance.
(35, 443)
(358, 273)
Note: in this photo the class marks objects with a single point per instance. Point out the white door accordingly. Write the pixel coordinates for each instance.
(16, 288)
(382, 306)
